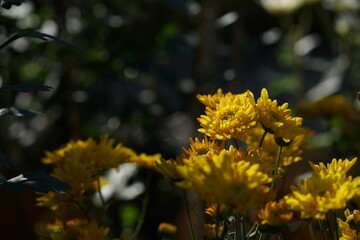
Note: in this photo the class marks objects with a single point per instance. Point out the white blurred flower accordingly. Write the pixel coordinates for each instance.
(279, 7)
(118, 186)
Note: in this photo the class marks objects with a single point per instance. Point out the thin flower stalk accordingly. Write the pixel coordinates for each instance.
(276, 167)
(143, 207)
(322, 228)
(188, 217)
(262, 139)
(311, 230)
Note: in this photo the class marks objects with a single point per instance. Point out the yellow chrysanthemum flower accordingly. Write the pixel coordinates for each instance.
(204, 147)
(277, 119)
(79, 164)
(274, 214)
(231, 117)
(212, 100)
(325, 190)
(222, 180)
(336, 166)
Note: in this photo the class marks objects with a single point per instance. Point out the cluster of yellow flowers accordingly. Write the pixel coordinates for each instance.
(246, 147)
(235, 169)
(81, 164)
(239, 175)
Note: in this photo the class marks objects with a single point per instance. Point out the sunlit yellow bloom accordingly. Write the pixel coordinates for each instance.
(212, 100)
(167, 229)
(331, 106)
(222, 180)
(275, 214)
(94, 155)
(210, 231)
(230, 118)
(277, 119)
(336, 166)
(80, 164)
(328, 189)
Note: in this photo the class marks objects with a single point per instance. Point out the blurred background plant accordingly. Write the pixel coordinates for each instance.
(142, 63)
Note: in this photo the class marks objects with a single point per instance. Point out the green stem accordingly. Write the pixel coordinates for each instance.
(100, 194)
(322, 228)
(272, 186)
(262, 139)
(143, 207)
(240, 228)
(188, 217)
(255, 225)
(225, 230)
(357, 234)
(261, 236)
(311, 230)
(237, 228)
(256, 231)
(280, 237)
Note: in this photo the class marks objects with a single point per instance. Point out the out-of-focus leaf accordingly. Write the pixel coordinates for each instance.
(26, 87)
(19, 112)
(37, 181)
(3, 161)
(8, 3)
(38, 35)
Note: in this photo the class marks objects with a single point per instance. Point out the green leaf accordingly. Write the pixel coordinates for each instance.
(18, 112)
(26, 87)
(38, 35)
(37, 181)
